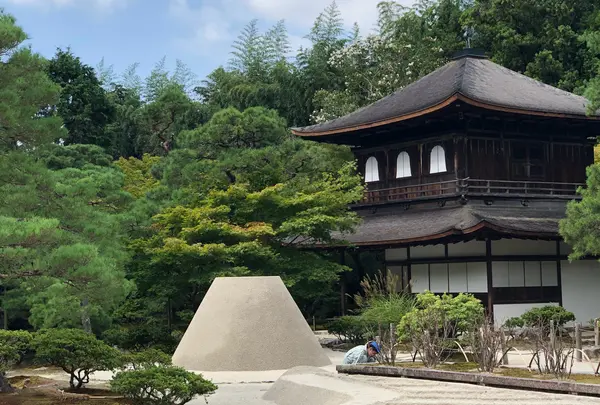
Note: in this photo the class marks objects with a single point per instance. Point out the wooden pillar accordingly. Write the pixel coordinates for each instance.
(490, 284)
(343, 284)
(408, 271)
(559, 273)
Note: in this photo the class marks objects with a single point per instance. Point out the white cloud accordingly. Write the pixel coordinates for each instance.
(104, 5)
(302, 13)
(212, 25)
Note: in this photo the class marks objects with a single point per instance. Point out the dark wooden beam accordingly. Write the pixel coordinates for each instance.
(559, 272)
(490, 285)
(409, 270)
(343, 283)
(480, 259)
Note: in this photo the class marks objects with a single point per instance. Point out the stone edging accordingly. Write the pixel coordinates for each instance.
(563, 387)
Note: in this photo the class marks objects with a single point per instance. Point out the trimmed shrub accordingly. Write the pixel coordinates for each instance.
(160, 385)
(76, 352)
(19, 340)
(541, 317)
(13, 344)
(350, 329)
(146, 359)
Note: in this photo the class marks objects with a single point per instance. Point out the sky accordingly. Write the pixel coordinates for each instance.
(198, 32)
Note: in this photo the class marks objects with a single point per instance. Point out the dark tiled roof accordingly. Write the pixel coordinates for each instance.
(475, 79)
(395, 225)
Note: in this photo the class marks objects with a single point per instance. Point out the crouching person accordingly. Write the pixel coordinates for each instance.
(362, 354)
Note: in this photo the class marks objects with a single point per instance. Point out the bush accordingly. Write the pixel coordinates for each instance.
(512, 323)
(146, 359)
(76, 352)
(541, 317)
(13, 344)
(434, 323)
(19, 340)
(139, 337)
(459, 313)
(348, 329)
(160, 385)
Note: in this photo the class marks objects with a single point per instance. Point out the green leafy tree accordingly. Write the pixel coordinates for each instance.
(244, 195)
(410, 43)
(77, 353)
(82, 275)
(138, 179)
(84, 106)
(541, 39)
(579, 228)
(25, 91)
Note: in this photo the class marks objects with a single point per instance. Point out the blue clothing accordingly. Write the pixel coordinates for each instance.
(358, 355)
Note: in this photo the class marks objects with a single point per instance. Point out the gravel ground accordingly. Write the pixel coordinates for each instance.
(417, 392)
(406, 392)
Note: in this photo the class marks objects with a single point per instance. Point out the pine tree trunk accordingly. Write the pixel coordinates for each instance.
(86, 322)
(5, 386)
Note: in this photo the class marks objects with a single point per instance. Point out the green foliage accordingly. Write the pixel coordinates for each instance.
(138, 179)
(84, 106)
(410, 43)
(348, 329)
(579, 227)
(76, 352)
(146, 359)
(24, 89)
(541, 39)
(78, 275)
(388, 309)
(244, 196)
(13, 344)
(161, 385)
(541, 317)
(515, 322)
(456, 314)
(382, 303)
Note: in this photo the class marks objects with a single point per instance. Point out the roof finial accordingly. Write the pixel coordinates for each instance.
(469, 31)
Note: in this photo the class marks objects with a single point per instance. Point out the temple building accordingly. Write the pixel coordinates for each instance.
(468, 173)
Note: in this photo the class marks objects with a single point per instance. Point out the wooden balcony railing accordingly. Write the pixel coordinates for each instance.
(472, 187)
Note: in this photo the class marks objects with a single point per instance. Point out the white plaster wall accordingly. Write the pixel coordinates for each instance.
(397, 271)
(581, 288)
(565, 249)
(471, 248)
(515, 247)
(457, 274)
(476, 277)
(438, 274)
(396, 254)
(502, 312)
(425, 252)
(419, 278)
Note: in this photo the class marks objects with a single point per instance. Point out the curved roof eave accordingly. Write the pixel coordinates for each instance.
(453, 232)
(436, 107)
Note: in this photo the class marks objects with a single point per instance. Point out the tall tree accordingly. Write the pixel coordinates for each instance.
(84, 105)
(25, 92)
(541, 39)
(244, 195)
(411, 43)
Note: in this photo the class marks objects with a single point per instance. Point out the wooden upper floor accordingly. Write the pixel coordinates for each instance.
(474, 164)
(472, 127)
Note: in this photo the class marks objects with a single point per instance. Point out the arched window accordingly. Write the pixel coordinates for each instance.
(371, 170)
(403, 166)
(438, 160)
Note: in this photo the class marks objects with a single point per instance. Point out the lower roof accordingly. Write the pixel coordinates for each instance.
(396, 226)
